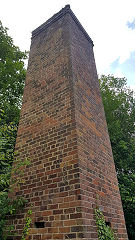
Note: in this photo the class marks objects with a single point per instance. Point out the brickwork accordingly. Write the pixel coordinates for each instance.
(63, 131)
(97, 170)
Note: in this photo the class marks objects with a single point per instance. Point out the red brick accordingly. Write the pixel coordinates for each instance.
(69, 222)
(63, 131)
(47, 236)
(58, 236)
(53, 230)
(47, 213)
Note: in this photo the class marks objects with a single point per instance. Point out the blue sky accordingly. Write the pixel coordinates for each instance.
(126, 68)
(131, 24)
(110, 24)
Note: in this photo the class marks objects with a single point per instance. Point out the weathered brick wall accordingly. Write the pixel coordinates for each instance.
(47, 135)
(63, 131)
(97, 170)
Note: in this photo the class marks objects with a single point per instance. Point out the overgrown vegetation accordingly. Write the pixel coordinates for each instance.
(119, 105)
(104, 231)
(26, 228)
(12, 76)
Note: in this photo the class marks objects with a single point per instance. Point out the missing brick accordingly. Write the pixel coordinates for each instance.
(39, 224)
(108, 223)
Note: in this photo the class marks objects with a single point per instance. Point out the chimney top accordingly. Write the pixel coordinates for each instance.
(57, 16)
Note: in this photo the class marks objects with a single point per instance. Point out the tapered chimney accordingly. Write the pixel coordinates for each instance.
(63, 131)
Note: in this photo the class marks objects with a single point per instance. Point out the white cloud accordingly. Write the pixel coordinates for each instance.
(105, 21)
(111, 35)
(118, 73)
(132, 87)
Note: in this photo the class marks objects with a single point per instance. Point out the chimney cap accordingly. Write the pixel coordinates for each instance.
(56, 17)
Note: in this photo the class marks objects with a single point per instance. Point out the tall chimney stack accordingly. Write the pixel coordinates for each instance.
(63, 131)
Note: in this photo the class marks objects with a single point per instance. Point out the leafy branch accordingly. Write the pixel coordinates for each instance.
(104, 231)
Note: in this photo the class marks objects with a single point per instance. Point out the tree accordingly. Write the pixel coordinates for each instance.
(119, 106)
(12, 76)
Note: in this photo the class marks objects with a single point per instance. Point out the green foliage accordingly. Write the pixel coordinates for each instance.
(27, 225)
(119, 105)
(12, 76)
(8, 207)
(7, 141)
(104, 232)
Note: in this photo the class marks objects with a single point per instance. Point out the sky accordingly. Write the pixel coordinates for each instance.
(109, 23)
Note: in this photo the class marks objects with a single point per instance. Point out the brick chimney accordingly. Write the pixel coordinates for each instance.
(63, 131)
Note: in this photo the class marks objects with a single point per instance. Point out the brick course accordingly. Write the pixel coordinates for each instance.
(63, 131)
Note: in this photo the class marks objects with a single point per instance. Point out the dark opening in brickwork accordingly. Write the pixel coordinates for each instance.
(39, 224)
(108, 223)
